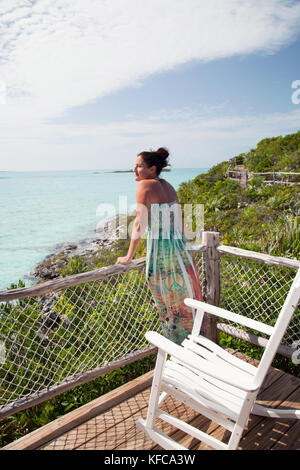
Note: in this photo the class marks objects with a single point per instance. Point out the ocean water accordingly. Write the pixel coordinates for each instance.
(41, 210)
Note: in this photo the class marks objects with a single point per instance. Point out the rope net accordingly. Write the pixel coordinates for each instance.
(258, 291)
(61, 334)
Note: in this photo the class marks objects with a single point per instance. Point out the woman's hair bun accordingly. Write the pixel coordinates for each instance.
(163, 153)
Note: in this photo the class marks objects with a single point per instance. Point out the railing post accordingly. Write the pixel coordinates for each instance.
(211, 261)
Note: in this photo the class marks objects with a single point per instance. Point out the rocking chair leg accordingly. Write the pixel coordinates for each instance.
(162, 397)
(155, 389)
(261, 410)
(241, 421)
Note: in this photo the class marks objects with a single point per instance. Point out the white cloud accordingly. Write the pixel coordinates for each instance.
(66, 53)
(196, 141)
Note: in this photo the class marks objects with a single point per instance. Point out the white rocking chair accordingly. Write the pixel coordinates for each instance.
(212, 381)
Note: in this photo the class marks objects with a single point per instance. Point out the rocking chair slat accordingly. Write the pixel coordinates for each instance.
(184, 398)
(224, 354)
(204, 384)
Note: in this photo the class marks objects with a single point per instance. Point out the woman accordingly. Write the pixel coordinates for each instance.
(171, 273)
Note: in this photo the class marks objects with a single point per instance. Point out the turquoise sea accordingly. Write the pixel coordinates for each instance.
(40, 210)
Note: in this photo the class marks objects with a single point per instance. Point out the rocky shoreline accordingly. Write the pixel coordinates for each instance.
(88, 250)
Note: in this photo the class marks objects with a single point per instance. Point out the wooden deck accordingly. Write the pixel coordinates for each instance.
(109, 422)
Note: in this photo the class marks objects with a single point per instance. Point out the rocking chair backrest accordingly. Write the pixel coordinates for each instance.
(280, 328)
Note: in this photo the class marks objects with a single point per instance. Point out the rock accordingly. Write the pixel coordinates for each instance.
(50, 320)
(46, 272)
(70, 247)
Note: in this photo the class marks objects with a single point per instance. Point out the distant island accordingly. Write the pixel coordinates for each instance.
(121, 171)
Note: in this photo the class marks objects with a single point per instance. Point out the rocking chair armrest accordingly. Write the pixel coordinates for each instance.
(225, 373)
(234, 317)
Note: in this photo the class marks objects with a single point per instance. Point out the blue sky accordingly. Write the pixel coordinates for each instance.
(251, 84)
(89, 84)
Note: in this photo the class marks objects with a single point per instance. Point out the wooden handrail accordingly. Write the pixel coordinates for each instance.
(262, 257)
(76, 279)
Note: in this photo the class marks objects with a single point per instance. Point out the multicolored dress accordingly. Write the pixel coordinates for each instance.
(171, 273)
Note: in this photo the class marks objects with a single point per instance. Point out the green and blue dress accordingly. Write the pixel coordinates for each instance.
(171, 273)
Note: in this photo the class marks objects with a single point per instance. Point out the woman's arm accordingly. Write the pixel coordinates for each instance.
(139, 223)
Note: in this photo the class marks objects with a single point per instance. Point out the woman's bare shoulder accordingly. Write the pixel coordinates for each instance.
(143, 188)
(165, 183)
(144, 184)
(167, 186)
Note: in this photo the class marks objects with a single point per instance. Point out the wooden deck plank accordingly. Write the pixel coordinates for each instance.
(289, 439)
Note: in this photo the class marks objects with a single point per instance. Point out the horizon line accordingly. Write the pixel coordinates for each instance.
(101, 169)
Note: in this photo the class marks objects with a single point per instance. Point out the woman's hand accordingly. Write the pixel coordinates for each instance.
(124, 260)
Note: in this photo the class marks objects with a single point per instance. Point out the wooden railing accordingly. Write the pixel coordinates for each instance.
(269, 177)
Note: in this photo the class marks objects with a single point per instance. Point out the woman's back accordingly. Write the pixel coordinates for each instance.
(159, 191)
